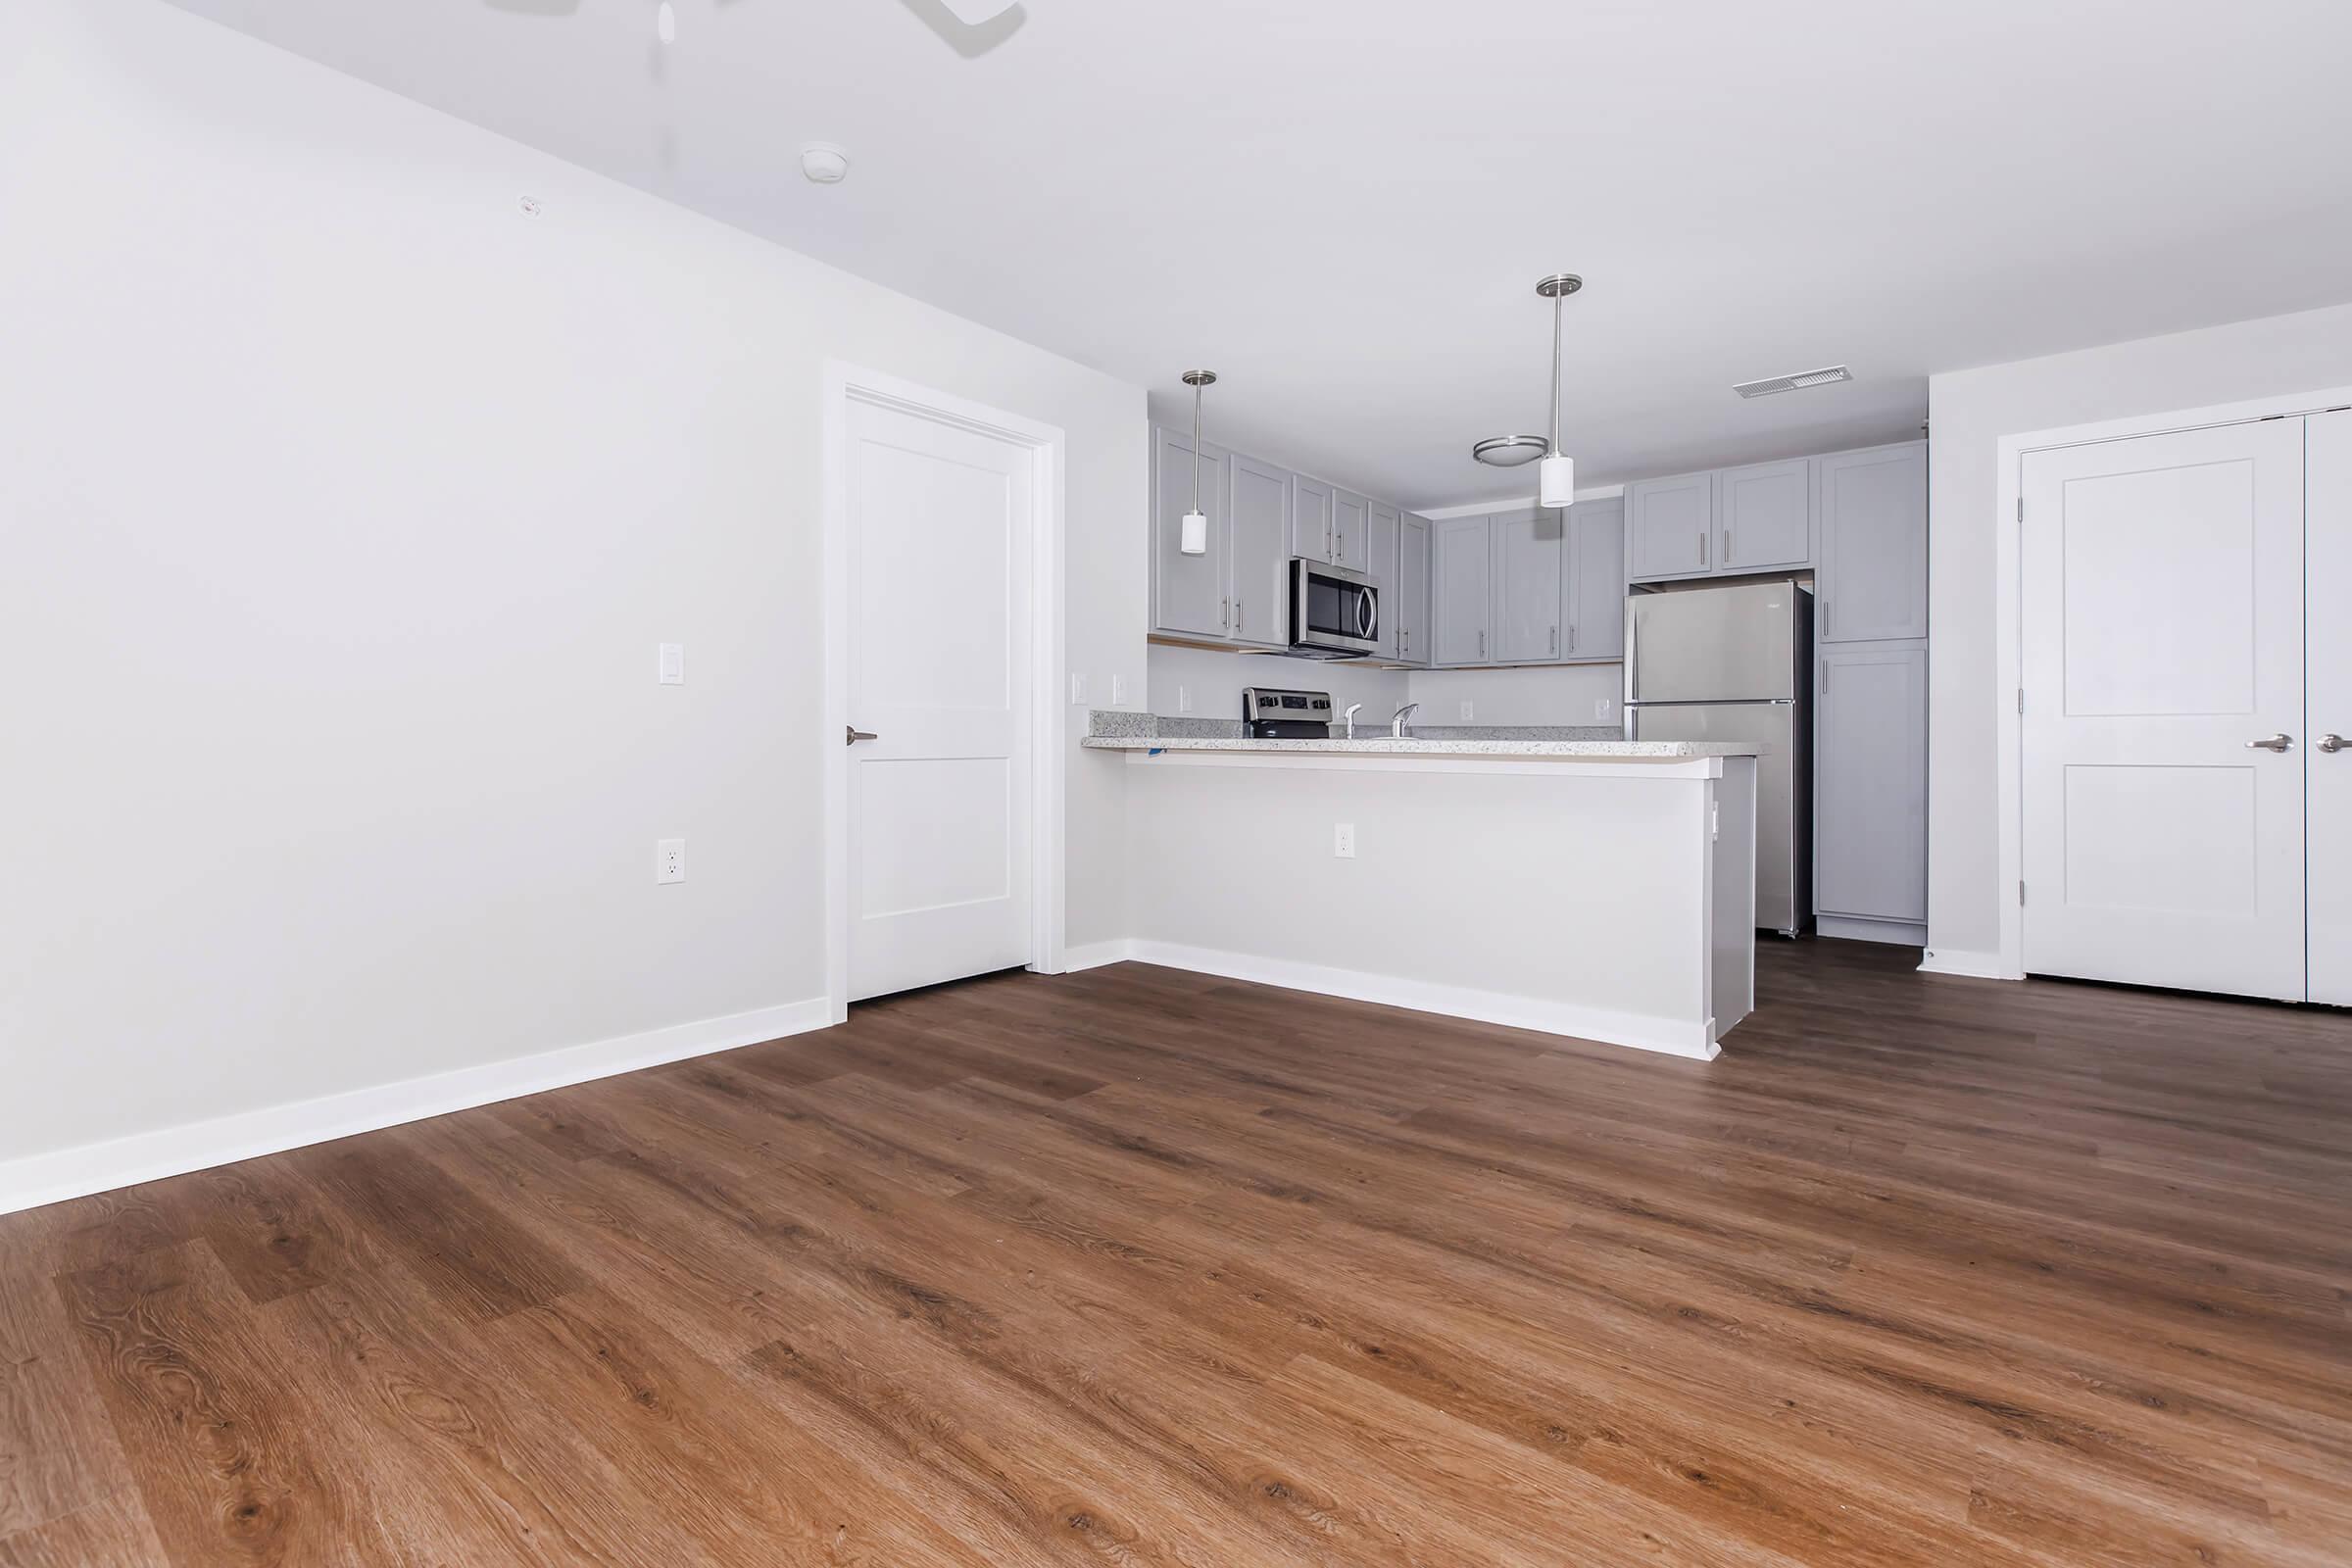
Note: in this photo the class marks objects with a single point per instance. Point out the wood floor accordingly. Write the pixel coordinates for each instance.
(1139, 1268)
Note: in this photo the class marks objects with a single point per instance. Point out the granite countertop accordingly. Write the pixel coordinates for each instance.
(1388, 745)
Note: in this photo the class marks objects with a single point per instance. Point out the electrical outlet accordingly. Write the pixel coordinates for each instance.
(1602, 707)
(1468, 708)
(1118, 691)
(671, 664)
(669, 859)
(1342, 840)
(1077, 688)
(1184, 699)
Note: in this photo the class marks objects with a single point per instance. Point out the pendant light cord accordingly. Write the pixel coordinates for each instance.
(1195, 446)
(1555, 378)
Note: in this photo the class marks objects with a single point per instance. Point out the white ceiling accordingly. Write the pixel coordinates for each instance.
(1342, 205)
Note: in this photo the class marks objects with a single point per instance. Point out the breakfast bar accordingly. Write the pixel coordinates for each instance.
(1603, 890)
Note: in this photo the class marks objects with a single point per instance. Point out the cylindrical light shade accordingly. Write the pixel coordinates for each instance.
(1193, 538)
(1556, 480)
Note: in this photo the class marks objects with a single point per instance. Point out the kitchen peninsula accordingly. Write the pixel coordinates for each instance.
(1593, 888)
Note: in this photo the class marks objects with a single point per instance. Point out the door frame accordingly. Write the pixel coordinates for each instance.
(845, 384)
(2009, 630)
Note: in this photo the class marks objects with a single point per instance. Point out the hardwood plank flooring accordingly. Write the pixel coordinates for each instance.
(1146, 1267)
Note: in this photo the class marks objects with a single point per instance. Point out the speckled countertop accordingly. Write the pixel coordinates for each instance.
(1387, 746)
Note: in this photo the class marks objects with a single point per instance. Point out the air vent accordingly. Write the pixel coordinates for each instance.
(1790, 383)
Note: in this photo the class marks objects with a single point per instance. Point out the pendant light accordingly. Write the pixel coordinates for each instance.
(1192, 538)
(1555, 474)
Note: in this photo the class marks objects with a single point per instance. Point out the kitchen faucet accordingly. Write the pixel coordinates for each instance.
(1352, 708)
(1396, 725)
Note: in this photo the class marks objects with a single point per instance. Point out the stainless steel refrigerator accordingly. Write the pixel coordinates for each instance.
(1735, 662)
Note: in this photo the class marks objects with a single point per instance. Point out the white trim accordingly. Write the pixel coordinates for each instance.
(2009, 752)
(1049, 716)
(1095, 954)
(1973, 965)
(1644, 1032)
(60, 1174)
(1487, 762)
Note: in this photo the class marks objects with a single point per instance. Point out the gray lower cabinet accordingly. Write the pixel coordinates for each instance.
(1262, 553)
(1191, 595)
(1410, 616)
(1351, 527)
(1310, 519)
(1380, 564)
(1764, 517)
(1670, 528)
(1873, 506)
(1527, 584)
(1592, 602)
(1461, 590)
(1870, 783)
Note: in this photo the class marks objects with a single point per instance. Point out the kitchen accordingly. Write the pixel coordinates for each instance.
(1760, 626)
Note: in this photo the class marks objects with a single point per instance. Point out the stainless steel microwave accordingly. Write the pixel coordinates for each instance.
(1334, 613)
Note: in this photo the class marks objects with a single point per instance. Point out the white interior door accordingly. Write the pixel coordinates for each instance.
(940, 533)
(2163, 619)
(2328, 761)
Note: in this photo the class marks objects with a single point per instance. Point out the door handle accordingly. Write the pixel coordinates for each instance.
(2331, 743)
(2277, 743)
(856, 735)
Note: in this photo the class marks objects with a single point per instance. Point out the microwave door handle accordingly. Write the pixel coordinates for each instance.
(1366, 617)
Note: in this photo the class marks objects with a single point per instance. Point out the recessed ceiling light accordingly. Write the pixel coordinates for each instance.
(1790, 383)
(824, 164)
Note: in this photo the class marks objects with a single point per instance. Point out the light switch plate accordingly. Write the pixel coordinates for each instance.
(673, 665)
(1602, 707)
(1184, 699)
(1467, 709)
(669, 859)
(1118, 691)
(1077, 688)
(1342, 840)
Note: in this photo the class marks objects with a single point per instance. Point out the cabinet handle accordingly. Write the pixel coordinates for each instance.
(1482, 645)
(1240, 620)
(1825, 680)
(1225, 613)
(1703, 548)
(1555, 642)
(1572, 636)
(1727, 547)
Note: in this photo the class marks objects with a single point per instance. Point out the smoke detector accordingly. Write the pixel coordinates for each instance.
(824, 164)
(1790, 383)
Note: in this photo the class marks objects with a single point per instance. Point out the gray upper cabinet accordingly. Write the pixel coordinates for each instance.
(1190, 594)
(1461, 590)
(1670, 528)
(1527, 546)
(1350, 531)
(1410, 616)
(1380, 564)
(1310, 519)
(1869, 791)
(1593, 597)
(1262, 553)
(1873, 506)
(1764, 517)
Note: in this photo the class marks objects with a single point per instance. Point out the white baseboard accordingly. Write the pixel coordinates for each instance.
(1901, 933)
(1095, 954)
(1973, 965)
(1641, 1031)
(60, 1174)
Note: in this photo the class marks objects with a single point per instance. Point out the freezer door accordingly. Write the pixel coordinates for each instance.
(1784, 810)
(1713, 645)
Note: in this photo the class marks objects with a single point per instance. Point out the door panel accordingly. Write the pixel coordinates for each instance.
(1462, 589)
(1262, 568)
(2327, 556)
(1766, 513)
(1527, 585)
(1870, 783)
(1188, 592)
(1310, 519)
(1412, 588)
(1873, 544)
(940, 521)
(1350, 526)
(1380, 564)
(1670, 528)
(2163, 630)
(1594, 590)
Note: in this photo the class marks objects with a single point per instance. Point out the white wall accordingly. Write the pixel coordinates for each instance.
(1971, 410)
(1213, 680)
(1569, 694)
(343, 508)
